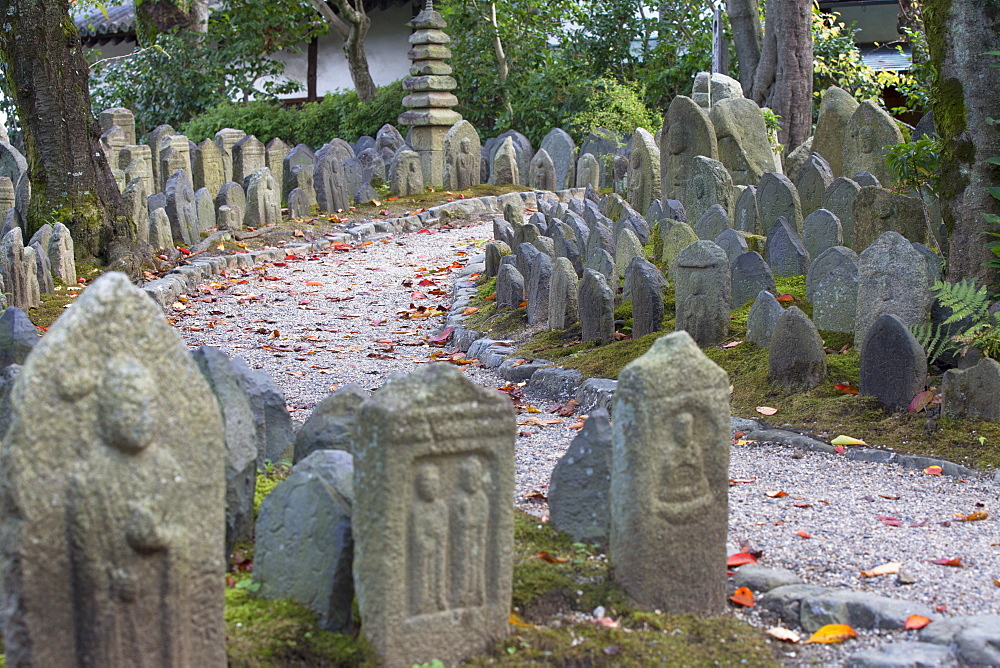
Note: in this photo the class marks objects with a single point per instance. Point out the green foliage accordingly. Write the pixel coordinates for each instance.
(967, 302)
(606, 103)
(341, 114)
(915, 164)
(267, 479)
(182, 74)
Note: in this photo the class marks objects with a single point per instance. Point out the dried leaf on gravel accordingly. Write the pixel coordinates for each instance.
(890, 568)
(847, 440)
(974, 516)
(783, 634)
(802, 534)
(776, 494)
(916, 622)
(533, 421)
(954, 562)
(933, 470)
(833, 633)
(740, 559)
(890, 521)
(766, 410)
(743, 596)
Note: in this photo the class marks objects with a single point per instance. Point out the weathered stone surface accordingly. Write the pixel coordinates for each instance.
(971, 393)
(304, 547)
(581, 480)
(542, 172)
(678, 237)
(904, 654)
(643, 170)
(462, 156)
(300, 156)
(406, 176)
(746, 217)
(432, 565)
(702, 289)
(859, 610)
(121, 117)
(866, 179)
(331, 423)
(750, 275)
(182, 209)
(562, 150)
(263, 199)
(835, 111)
(494, 251)
(115, 485)
(564, 288)
(539, 282)
(588, 171)
(159, 230)
(797, 358)
(832, 289)
(839, 200)
(687, 132)
(709, 184)
(764, 579)
(510, 287)
(712, 222)
(777, 197)
(669, 478)
(786, 255)
(877, 210)
(505, 169)
(976, 638)
(892, 278)
(274, 159)
(646, 292)
(763, 317)
(330, 183)
(249, 155)
(43, 268)
(869, 131)
(821, 230)
(208, 167)
(17, 336)
(241, 442)
(811, 182)
(62, 254)
(893, 365)
(734, 243)
(205, 205)
(14, 271)
(597, 308)
(601, 261)
(744, 145)
(226, 139)
(627, 247)
(272, 421)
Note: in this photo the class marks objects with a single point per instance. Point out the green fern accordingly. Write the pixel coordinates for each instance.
(932, 340)
(966, 301)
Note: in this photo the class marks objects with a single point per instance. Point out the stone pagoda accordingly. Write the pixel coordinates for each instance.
(430, 99)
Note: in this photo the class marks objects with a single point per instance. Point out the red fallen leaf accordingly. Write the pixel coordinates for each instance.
(271, 278)
(917, 525)
(954, 562)
(921, 401)
(733, 344)
(184, 250)
(548, 558)
(802, 504)
(839, 449)
(785, 298)
(753, 552)
(742, 596)
(891, 521)
(740, 559)
(391, 199)
(890, 497)
(417, 295)
(802, 534)
(916, 622)
(441, 337)
(846, 388)
(933, 470)
(776, 494)
(940, 608)
(740, 481)
(425, 282)
(536, 496)
(314, 282)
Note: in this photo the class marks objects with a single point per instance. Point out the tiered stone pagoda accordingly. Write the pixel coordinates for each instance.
(430, 99)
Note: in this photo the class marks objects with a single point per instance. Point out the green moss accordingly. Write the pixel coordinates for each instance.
(283, 633)
(267, 480)
(656, 247)
(498, 324)
(486, 288)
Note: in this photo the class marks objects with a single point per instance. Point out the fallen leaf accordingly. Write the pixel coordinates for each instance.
(890, 497)
(742, 596)
(890, 521)
(847, 440)
(766, 410)
(785, 298)
(974, 516)
(890, 568)
(940, 608)
(921, 401)
(314, 282)
(916, 622)
(783, 634)
(840, 449)
(832, 633)
(776, 494)
(740, 559)
(933, 470)
(733, 344)
(954, 562)
(802, 534)
(516, 620)
(442, 336)
(548, 558)
(846, 388)
(533, 409)
(607, 622)
(470, 310)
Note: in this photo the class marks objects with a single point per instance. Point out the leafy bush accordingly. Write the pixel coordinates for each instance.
(341, 114)
(967, 303)
(607, 103)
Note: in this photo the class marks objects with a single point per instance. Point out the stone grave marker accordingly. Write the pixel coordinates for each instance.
(627, 248)
(564, 307)
(866, 179)
(750, 275)
(160, 235)
(869, 131)
(746, 217)
(505, 169)
(209, 170)
(669, 479)
(182, 210)
(734, 243)
(562, 150)
(597, 308)
(832, 289)
(679, 237)
(835, 111)
(298, 204)
(646, 292)
(153, 142)
(588, 171)
(970, 393)
(273, 423)
(601, 261)
(226, 139)
(777, 197)
(539, 282)
(839, 200)
(330, 184)
(331, 424)
(744, 145)
(893, 366)
(643, 170)
(892, 278)
(300, 156)
(786, 255)
(462, 156)
(811, 182)
(821, 230)
(709, 184)
(702, 289)
(687, 132)
(205, 205)
(510, 287)
(877, 210)
(62, 254)
(121, 117)
(581, 480)
(43, 268)
(274, 159)
(712, 223)
(541, 171)
(115, 467)
(263, 199)
(17, 336)
(432, 564)
(796, 358)
(763, 316)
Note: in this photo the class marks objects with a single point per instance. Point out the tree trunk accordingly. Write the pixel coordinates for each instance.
(352, 24)
(783, 78)
(744, 18)
(71, 181)
(959, 32)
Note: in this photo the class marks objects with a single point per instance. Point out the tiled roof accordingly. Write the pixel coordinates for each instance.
(94, 24)
(887, 57)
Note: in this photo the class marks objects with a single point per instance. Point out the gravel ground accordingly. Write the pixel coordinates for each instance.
(320, 322)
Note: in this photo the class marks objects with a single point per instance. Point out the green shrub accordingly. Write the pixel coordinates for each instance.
(339, 114)
(614, 105)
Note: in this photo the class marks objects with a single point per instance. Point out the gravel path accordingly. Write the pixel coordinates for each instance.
(319, 322)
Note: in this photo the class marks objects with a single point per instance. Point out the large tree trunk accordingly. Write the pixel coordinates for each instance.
(351, 23)
(71, 180)
(744, 18)
(783, 78)
(959, 32)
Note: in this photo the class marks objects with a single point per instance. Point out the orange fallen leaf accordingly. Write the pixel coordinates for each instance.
(766, 410)
(974, 516)
(785, 298)
(916, 622)
(933, 470)
(783, 634)
(314, 282)
(740, 559)
(742, 596)
(890, 568)
(776, 494)
(846, 388)
(833, 633)
(954, 562)
(576, 425)
(548, 558)
(470, 310)
(802, 534)
(515, 619)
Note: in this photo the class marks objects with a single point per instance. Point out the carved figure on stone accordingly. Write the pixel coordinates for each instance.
(470, 516)
(687, 131)
(428, 544)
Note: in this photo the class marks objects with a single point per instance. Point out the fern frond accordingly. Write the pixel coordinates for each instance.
(964, 300)
(931, 339)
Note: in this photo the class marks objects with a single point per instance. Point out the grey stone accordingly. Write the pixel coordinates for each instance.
(115, 456)
(866, 179)
(643, 170)
(406, 176)
(272, 421)
(539, 282)
(8, 376)
(703, 292)
(519, 371)
(62, 255)
(14, 271)
(687, 132)
(893, 366)
(232, 195)
(627, 248)
(579, 502)
(248, 156)
(462, 157)
(678, 237)
(647, 285)
(31, 273)
(330, 184)
(331, 424)
(877, 210)
(241, 442)
(208, 167)
(835, 110)
(832, 289)
(709, 184)
(797, 357)
(6, 195)
(597, 308)
(859, 610)
(869, 131)
(43, 268)
(935, 264)
(504, 166)
(300, 156)
(734, 243)
(263, 199)
(159, 230)
(763, 579)
(494, 251)
(975, 639)
(821, 230)
(588, 171)
(527, 255)
(970, 393)
(304, 545)
(904, 654)
(892, 278)
(205, 205)
(17, 336)
(601, 261)
(561, 148)
(786, 600)
(388, 137)
(274, 159)
(712, 223)
(744, 145)
(670, 455)
(839, 200)
(182, 209)
(786, 255)
(811, 182)
(226, 139)
(510, 287)
(298, 204)
(746, 218)
(776, 198)
(555, 383)
(596, 393)
(541, 172)
(750, 274)
(564, 307)
(444, 544)
(763, 316)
